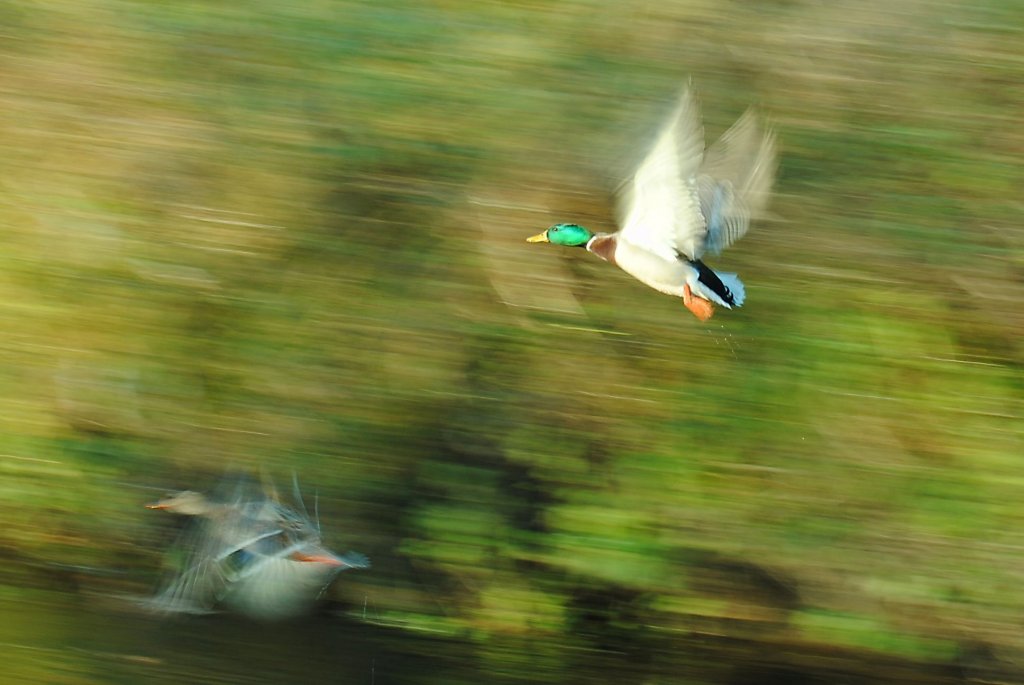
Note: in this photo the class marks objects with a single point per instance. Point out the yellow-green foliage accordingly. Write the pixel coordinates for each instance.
(291, 236)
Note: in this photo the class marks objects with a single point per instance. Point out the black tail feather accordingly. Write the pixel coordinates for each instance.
(709, 278)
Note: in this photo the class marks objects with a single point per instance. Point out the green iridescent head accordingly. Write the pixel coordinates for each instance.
(570, 235)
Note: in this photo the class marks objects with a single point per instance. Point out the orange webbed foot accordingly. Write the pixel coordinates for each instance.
(701, 308)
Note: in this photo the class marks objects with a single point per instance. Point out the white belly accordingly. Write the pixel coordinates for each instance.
(668, 277)
(277, 588)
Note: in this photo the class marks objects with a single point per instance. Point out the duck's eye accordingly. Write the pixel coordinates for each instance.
(554, 228)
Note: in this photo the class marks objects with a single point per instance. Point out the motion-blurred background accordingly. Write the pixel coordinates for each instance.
(290, 237)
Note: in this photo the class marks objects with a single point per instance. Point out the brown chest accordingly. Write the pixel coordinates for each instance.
(603, 246)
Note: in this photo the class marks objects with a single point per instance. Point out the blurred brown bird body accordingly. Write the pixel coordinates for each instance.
(253, 555)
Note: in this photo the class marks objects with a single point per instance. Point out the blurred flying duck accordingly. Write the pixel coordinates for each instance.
(252, 554)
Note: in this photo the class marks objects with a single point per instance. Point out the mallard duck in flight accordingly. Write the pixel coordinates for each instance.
(682, 203)
(252, 554)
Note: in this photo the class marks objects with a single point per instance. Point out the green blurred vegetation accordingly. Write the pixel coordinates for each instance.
(291, 237)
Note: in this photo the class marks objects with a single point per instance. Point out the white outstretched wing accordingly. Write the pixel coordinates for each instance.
(660, 206)
(735, 180)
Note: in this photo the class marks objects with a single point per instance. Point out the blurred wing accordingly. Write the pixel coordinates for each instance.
(196, 591)
(256, 518)
(200, 583)
(735, 181)
(242, 525)
(660, 209)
